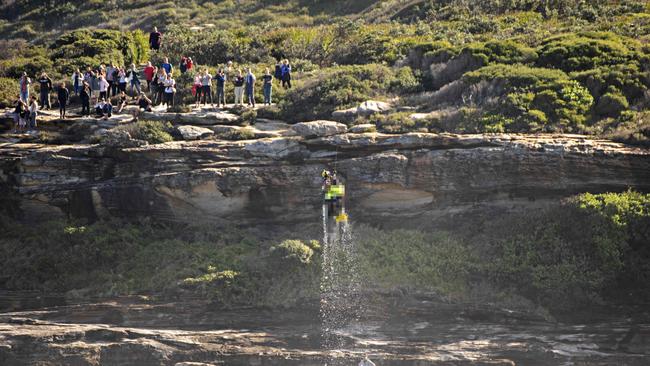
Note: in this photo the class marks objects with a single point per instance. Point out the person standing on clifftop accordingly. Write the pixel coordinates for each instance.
(286, 74)
(84, 94)
(250, 87)
(94, 83)
(110, 79)
(33, 113)
(121, 80)
(62, 95)
(268, 86)
(206, 86)
(46, 87)
(238, 81)
(170, 91)
(278, 71)
(161, 76)
(221, 88)
(196, 89)
(148, 72)
(103, 87)
(167, 66)
(77, 81)
(155, 39)
(24, 84)
(135, 81)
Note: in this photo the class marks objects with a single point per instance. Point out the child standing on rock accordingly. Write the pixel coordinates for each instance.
(33, 113)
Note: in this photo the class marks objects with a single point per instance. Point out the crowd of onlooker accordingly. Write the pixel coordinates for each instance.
(107, 84)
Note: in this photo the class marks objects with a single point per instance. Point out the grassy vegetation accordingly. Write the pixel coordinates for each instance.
(589, 250)
(153, 132)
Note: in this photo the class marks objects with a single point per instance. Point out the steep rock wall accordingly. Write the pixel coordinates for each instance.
(399, 180)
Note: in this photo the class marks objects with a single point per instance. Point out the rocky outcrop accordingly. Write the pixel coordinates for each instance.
(366, 108)
(117, 138)
(428, 178)
(186, 333)
(363, 128)
(202, 117)
(319, 128)
(194, 132)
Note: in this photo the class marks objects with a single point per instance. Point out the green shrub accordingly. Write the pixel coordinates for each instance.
(269, 112)
(244, 133)
(292, 251)
(564, 103)
(629, 79)
(495, 123)
(248, 117)
(340, 87)
(413, 259)
(33, 66)
(400, 122)
(8, 91)
(611, 104)
(577, 254)
(151, 131)
(630, 127)
(584, 51)
(84, 47)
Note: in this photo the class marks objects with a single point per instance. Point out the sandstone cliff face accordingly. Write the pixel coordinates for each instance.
(425, 178)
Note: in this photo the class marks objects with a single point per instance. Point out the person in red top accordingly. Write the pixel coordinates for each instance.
(189, 63)
(148, 74)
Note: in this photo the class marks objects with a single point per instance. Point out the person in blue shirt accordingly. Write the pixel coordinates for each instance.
(250, 87)
(167, 66)
(221, 85)
(135, 80)
(278, 71)
(286, 74)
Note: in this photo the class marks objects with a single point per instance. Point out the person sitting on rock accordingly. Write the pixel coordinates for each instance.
(104, 109)
(122, 102)
(144, 102)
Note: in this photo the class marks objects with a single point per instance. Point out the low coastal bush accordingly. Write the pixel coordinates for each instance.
(343, 87)
(630, 127)
(244, 133)
(8, 92)
(591, 249)
(529, 99)
(151, 131)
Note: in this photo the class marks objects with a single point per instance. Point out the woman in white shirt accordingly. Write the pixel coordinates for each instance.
(103, 87)
(170, 90)
(122, 80)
